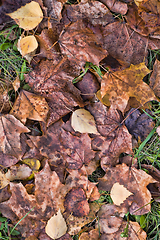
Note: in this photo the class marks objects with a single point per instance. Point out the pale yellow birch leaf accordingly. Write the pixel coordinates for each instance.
(28, 16)
(56, 226)
(83, 122)
(27, 45)
(119, 194)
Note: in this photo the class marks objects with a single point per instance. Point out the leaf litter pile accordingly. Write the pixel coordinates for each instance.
(82, 113)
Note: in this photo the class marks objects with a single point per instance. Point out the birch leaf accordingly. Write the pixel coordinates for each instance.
(119, 193)
(83, 122)
(28, 16)
(56, 226)
(27, 45)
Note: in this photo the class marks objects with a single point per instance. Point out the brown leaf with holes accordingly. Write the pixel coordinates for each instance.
(117, 87)
(115, 138)
(135, 181)
(10, 130)
(112, 224)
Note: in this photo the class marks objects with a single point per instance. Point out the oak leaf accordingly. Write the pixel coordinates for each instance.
(56, 226)
(10, 130)
(119, 86)
(135, 181)
(31, 106)
(83, 122)
(28, 16)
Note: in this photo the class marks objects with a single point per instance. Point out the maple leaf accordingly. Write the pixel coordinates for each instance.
(115, 138)
(54, 82)
(117, 87)
(28, 16)
(31, 106)
(80, 44)
(10, 130)
(135, 181)
(112, 225)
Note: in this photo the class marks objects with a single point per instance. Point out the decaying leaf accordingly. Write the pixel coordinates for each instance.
(29, 105)
(155, 79)
(112, 225)
(135, 181)
(121, 85)
(56, 226)
(119, 193)
(3, 180)
(27, 45)
(83, 122)
(18, 172)
(28, 16)
(10, 130)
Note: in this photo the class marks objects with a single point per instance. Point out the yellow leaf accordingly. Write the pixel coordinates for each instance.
(28, 16)
(119, 194)
(3, 180)
(83, 122)
(27, 45)
(56, 226)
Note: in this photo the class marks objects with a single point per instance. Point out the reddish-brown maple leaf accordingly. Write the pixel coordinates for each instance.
(115, 138)
(135, 181)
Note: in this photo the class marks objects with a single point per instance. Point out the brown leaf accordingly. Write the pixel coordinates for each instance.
(115, 138)
(116, 6)
(65, 148)
(112, 224)
(54, 82)
(46, 202)
(91, 235)
(135, 181)
(121, 85)
(31, 106)
(7, 160)
(80, 44)
(76, 202)
(10, 130)
(155, 78)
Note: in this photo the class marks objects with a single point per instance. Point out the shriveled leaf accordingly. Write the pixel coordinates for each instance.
(155, 78)
(28, 16)
(56, 226)
(16, 84)
(83, 122)
(10, 130)
(30, 105)
(121, 85)
(119, 193)
(92, 235)
(18, 172)
(27, 45)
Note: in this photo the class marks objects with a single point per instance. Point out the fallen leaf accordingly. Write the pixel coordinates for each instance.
(155, 78)
(28, 16)
(135, 181)
(56, 226)
(27, 45)
(31, 106)
(115, 138)
(116, 6)
(16, 84)
(83, 122)
(121, 85)
(18, 172)
(91, 235)
(139, 124)
(81, 45)
(3, 180)
(112, 225)
(119, 194)
(10, 130)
